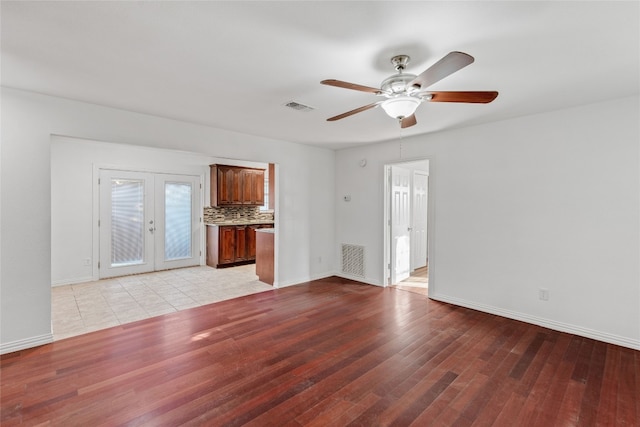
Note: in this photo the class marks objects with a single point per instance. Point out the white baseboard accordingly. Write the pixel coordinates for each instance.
(324, 275)
(23, 344)
(316, 276)
(546, 323)
(357, 279)
(74, 281)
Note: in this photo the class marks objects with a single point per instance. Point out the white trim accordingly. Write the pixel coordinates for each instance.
(276, 224)
(326, 274)
(547, 323)
(431, 214)
(299, 281)
(72, 281)
(26, 343)
(363, 280)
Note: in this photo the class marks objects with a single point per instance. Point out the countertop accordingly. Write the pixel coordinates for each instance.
(239, 222)
(266, 230)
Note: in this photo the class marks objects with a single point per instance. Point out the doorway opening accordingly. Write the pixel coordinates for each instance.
(86, 298)
(408, 263)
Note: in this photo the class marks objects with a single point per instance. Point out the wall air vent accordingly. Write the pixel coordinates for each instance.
(353, 260)
(298, 107)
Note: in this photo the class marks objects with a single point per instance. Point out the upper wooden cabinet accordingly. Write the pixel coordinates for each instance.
(234, 185)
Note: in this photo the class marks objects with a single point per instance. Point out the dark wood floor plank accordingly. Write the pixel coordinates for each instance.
(421, 402)
(329, 352)
(593, 384)
(324, 414)
(348, 416)
(636, 371)
(626, 410)
(544, 399)
(527, 357)
(510, 410)
(480, 397)
(581, 368)
(467, 372)
(606, 413)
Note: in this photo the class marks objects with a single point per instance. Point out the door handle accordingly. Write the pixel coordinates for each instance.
(152, 229)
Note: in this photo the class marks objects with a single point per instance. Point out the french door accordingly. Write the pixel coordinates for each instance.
(148, 222)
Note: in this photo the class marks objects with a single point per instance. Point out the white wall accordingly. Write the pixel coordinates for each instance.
(305, 197)
(546, 201)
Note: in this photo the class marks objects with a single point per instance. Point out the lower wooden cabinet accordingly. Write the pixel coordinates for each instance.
(229, 245)
(264, 257)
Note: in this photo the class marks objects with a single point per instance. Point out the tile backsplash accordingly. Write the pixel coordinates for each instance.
(230, 214)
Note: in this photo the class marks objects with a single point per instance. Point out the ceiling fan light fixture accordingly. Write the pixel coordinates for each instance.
(401, 106)
(404, 92)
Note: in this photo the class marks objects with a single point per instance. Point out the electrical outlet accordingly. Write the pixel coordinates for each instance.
(543, 294)
(87, 261)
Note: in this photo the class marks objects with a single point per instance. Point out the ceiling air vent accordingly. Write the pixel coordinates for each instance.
(299, 107)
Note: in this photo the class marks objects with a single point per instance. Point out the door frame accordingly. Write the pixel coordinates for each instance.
(387, 240)
(196, 171)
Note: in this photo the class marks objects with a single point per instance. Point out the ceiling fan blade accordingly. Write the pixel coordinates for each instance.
(451, 63)
(468, 97)
(353, 86)
(352, 112)
(408, 121)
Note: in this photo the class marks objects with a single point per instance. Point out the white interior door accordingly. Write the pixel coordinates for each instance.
(419, 220)
(400, 224)
(177, 225)
(148, 222)
(126, 223)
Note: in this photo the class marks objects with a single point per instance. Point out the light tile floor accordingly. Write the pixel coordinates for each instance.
(86, 307)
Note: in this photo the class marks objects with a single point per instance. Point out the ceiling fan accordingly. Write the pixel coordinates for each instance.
(404, 92)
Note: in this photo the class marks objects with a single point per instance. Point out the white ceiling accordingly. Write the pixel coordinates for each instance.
(233, 65)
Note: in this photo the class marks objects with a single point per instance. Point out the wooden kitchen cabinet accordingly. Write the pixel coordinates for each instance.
(229, 245)
(241, 243)
(251, 239)
(236, 186)
(225, 186)
(253, 187)
(265, 257)
(221, 246)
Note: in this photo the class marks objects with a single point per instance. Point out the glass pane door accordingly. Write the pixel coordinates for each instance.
(178, 221)
(126, 223)
(148, 222)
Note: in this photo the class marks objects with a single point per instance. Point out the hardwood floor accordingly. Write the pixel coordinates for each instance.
(418, 282)
(330, 352)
